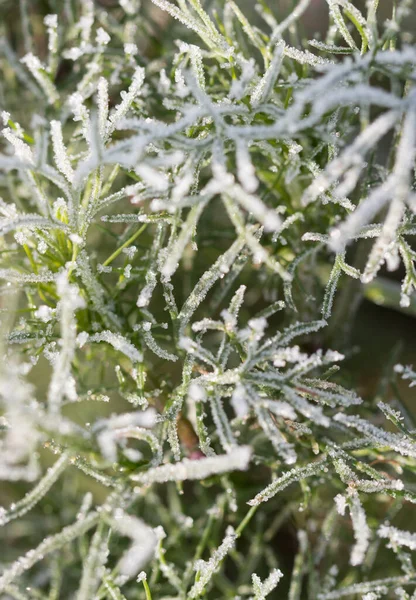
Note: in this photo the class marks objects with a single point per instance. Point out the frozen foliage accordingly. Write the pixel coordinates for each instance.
(237, 459)
(143, 543)
(205, 569)
(262, 589)
(397, 537)
(192, 207)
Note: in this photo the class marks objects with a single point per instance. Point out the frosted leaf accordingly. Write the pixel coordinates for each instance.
(13, 276)
(240, 86)
(146, 293)
(361, 529)
(269, 348)
(376, 200)
(21, 507)
(304, 57)
(341, 504)
(20, 437)
(127, 100)
(206, 569)
(379, 585)
(294, 15)
(130, 7)
(196, 62)
(409, 282)
(340, 23)
(230, 133)
(379, 484)
(102, 38)
(153, 178)
(130, 49)
(176, 250)
(102, 101)
(109, 438)
(331, 287)
(290, 354)
(44, 313)
(60, 153)
(331, 48)
(263, 589)
(355, 16)
(236, 460)
(181, 89)
(330, 393)
(264, 88)
(196, 393)
(217, 271)
(250, 32)
(278, 440)
(295, 589)
(205, 324)
(86, 21)
(73, 53)
(168, 569)
(112, 430)
(252, 204)
(5, 116)
(94, 564)
(28, 221)
(286, 479)
(208, 34)
(21, 149)
(38, 71)
(82, 339)
(250, 235)
(130, 252)
(143, 545)
(51, 22)
(222, 424)
(151, 343)
(406, 373)
(393, 415)
(245, 169)
(61, 383)
(119, 343)
(352, 156)
(239, 401)
(48, 545)
(401, 177)
(307, 409)
(279, 408)
(397, 537)
(398, 442)
(96, 292)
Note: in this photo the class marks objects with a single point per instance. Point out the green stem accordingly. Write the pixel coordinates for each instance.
(246, 520)
(125, 245)
(147, 589)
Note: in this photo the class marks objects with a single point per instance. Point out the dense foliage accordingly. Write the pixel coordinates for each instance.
(187, 228)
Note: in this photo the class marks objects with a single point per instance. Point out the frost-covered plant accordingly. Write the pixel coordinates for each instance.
(175, 220)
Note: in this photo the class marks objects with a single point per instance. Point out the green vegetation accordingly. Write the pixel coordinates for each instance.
(195, 199)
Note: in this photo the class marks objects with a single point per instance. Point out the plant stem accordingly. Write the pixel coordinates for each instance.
(125, 245)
